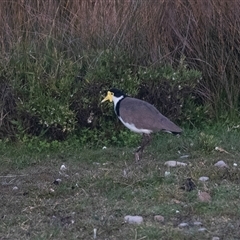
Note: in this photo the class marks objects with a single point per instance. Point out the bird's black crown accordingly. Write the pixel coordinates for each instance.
(117, 92)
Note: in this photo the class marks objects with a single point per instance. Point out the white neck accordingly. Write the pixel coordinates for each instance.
(116, 100)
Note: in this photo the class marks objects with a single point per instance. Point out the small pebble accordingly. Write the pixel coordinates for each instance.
(57, 181)
(133, 219)
(159, 218)
(15, 188)
(221, 164)
(174, 163)
(167, 173)
(62, 173)
(215, 238)
(202, 229)
(104, 147)
(52, 190)
(235, 164)
(203, 179)
(94, 233)
(204, 196)
(182, 225)
(197, 223)
(63, 167)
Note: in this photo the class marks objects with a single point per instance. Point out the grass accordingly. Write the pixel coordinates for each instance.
(101, 186)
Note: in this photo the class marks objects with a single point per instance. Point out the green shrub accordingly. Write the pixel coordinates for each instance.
(109, 69)
(174, 92)
(55, 97)
(41, 88)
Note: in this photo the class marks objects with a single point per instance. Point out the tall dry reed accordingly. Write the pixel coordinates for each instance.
(206, 33)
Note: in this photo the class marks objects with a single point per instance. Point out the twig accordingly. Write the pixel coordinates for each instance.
(10, 176)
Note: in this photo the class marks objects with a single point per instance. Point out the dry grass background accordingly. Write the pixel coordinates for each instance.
(205, 33)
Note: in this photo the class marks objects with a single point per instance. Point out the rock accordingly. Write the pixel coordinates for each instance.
(57, 181)
(182, 225)
(221, 164)
(203, 179)
(202, 229)
(133, 219)
(94, 233)
(174, 163)
(167, 173)
(96, 163)
(204, 196)
(62, 173)
(63, 168)
(15, 188)
(235, 164)
(159, 218)
(197, 223)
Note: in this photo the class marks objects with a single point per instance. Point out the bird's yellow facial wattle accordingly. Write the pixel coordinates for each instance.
(109, 97)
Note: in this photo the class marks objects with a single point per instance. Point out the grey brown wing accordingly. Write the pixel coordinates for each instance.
(145, 116)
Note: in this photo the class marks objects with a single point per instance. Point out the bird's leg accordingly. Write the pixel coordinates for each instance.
(146, 138)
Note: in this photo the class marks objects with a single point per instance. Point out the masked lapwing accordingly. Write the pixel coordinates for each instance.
(140, 117)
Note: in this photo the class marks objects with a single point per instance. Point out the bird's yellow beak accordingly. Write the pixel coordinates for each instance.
(109, 97)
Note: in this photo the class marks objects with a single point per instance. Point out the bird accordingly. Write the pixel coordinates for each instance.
(140, 117)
